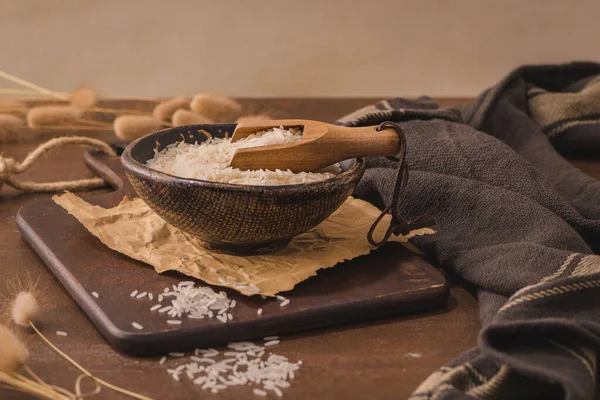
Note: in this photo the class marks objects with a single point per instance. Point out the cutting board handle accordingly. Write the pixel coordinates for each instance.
(109, 168)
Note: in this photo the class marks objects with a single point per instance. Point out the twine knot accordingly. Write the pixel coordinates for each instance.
(7, 164)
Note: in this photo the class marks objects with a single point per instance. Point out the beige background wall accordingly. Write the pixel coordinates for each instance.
(289, 48)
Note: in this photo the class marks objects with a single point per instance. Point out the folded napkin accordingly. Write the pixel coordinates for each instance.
(514, 219)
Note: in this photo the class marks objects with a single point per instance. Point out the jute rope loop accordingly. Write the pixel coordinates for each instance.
(9, 167)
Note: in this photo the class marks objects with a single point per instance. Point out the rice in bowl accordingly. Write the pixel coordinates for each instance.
(210, 161)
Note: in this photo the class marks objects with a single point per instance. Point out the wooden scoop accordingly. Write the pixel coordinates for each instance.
(321, 145)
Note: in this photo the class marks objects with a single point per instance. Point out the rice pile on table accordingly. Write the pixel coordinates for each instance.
(210, 161)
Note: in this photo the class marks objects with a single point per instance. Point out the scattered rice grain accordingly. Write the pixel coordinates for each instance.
(284, 303)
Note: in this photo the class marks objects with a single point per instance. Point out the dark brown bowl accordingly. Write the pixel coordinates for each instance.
(234, 219)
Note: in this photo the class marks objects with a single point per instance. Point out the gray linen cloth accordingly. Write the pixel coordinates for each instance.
(515, 220)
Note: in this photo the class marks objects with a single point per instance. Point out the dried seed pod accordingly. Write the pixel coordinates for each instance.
(25, 308)
(41, 116)
(11, 104)
(13, 353)
(13, 107)
(131, 127)
(84, 98)
(256, 117)
(11, 127)
(165, 109)
(185, 117)
(216, 108)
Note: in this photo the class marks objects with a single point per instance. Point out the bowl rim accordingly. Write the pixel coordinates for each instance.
(131, 164)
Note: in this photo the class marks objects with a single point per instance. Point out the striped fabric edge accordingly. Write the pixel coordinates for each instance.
(580, 265)
(557, 112)
(463, 377)
(564, 125)
(493, 387)
(585, 355)
(460, 378)
(371, 111)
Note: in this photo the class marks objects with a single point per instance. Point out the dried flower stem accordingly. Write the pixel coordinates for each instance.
(25, 92)
(43, 391)
(33, 86)
(93, 109)
(85, 371)
(28, 92)
(77, 127)
(117, 111)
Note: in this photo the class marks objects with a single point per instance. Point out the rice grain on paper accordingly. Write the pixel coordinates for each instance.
(133, 229)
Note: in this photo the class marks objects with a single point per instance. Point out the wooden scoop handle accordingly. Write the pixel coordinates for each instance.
(337, 143)
(363, 141)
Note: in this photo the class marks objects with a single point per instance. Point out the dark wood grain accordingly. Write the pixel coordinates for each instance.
(384, 359)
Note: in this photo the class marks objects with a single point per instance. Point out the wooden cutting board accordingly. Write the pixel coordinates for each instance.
(389, 281)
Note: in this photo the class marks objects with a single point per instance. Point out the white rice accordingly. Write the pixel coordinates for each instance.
(210, 161)
(245, 364)
(155, 307)
(259, 311)
(162, 360)
(137, 326)
(95, 294)
(284, 303)
(259, 392)
(134, 293)
(174, 322)
(61, 333)
(222, 318)
(271, 343)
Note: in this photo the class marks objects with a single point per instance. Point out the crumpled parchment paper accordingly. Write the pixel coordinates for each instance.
(133, 229)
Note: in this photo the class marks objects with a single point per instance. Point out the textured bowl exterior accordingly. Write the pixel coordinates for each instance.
(238, 219)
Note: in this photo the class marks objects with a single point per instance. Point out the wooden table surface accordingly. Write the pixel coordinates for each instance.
(386, 359)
